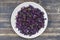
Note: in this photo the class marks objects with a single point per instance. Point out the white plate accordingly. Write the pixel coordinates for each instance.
(18, 8)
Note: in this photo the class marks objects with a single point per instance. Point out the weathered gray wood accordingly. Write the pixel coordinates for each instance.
(38, 38)
(8, 9)
(54, 20)
(47, 38)
(16, 1)
(48, 32)
(51, 16)
(50, 24)
(11, 1)
(52, 8)
(52, 30)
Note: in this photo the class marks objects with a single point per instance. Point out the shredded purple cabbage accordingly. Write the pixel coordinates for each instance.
(29, 20)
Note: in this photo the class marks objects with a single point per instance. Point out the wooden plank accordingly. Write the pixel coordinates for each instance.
(4, 20)
(9, 8)
(47, 38)
(44, 34)
(6, 31)
(51, 16)
(38, 38)
(54, 17)
(11, 1)
(50, 7)
(9, 14)
(48, 32)
(16, 1)
(52, 30)
(50, 24)
(53, 25)
(54, 20)
(5, 25)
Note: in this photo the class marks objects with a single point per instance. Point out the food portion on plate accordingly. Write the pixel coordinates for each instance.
(29, 20)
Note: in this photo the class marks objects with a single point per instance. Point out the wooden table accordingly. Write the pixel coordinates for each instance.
(52, 8)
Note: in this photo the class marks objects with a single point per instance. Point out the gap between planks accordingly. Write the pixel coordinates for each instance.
(14, 34)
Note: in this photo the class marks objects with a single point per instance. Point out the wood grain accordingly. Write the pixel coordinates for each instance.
(48, 32)
(54, 20)
(52, 8)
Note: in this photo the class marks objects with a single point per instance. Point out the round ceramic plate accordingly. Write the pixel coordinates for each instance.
(18, 8)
